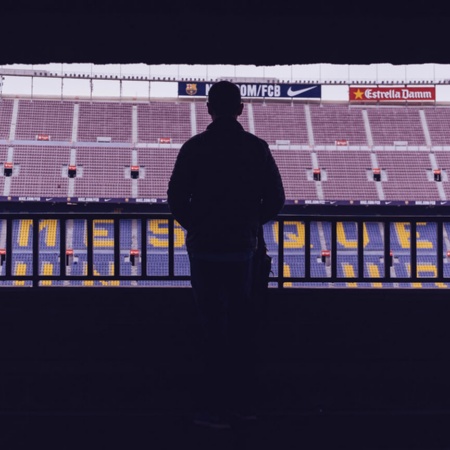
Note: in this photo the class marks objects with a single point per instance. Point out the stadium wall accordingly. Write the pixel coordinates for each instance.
(70, 89)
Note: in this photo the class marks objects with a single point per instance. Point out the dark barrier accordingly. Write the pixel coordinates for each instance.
(322, 352)
(319, 262)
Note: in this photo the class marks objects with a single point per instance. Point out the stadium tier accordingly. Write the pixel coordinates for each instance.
(43, 117)
(332, 123)
(6, 108)
(393, 124)
(82, 149)
(278, 122)
(326, 152)
(164, 120)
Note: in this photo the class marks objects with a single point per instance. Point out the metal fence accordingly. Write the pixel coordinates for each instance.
(327, 255)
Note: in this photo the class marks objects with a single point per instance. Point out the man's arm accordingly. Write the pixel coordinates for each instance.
(180, 188)
(273, 192)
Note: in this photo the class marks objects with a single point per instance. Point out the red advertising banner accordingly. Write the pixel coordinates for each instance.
(42, 137)
(392, 94)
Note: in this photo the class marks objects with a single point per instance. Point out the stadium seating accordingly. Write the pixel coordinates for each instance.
(6, 108)
(158, 163)
(331, 137)
(443, 162)
(164, 120)
(337, 135)
(338, 122)
(275, 122)
(40, 171)
(438, 120)
(407, 181)
(391, 124)
(293, 166)
(103, 172)
(44, 117)
(102, 119)
(347, 175)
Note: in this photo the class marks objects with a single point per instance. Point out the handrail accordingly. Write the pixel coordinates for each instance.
(304, 253)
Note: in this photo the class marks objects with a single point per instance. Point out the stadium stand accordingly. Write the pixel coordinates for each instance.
(103, 172)
(103, 119)
(443, 162)
(407, 180)
(164, 120)
(40, 171)
(294, 167)
(273, 122)
(3, 159)
(396, 124)
(347, 175)
(338, 122)
(438, 119)
(6, 108)
(159, 128)
(159, 164)
(345, 142)
(41, 117)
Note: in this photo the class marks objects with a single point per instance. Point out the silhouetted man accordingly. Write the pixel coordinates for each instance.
(225, 185)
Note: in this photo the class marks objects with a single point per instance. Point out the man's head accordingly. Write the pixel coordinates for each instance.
(224, 99)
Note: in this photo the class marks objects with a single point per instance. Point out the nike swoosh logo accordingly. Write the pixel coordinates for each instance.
(292, 93)
(48, 199)
(387, 203)
(106, 199)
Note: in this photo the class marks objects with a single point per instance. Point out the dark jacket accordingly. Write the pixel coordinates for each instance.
(224, 185)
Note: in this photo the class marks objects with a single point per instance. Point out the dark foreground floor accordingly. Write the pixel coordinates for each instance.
(175, 431)
(115, 369)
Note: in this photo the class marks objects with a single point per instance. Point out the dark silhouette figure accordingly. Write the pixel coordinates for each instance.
(225, 185)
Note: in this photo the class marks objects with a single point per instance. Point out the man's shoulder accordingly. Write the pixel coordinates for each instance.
(197, 138)
(203, 137)
(193, 142)
(257, 141)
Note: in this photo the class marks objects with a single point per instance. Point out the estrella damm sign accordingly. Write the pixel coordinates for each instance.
(392, 94)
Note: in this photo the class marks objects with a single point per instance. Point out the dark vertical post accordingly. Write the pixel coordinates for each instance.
(387, 249)
(144, 247)
(280, 252)
(360, 248)
(171, 225)
(62, 247)
(440, 250)
(35, 252)
(333, 249)
(116, 246)
(307, 223)
(90, 246)
(9, 247)
(413, 246)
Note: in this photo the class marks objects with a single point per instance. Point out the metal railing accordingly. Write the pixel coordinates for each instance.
(307, 256)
